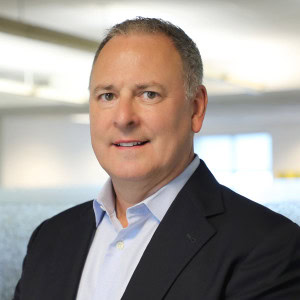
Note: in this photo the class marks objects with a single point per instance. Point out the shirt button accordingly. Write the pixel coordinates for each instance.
(120, 245)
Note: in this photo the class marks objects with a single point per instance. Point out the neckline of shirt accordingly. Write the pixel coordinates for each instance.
(157, 203)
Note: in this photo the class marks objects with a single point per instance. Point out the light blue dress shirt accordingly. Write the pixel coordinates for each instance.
(116, 251)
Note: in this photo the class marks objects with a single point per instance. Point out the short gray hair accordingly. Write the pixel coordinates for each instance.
(187, 49)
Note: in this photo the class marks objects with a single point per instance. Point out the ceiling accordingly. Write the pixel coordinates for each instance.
(248, 47)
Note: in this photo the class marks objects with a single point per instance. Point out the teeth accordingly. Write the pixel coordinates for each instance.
(130, 144)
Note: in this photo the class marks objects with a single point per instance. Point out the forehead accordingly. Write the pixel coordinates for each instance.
(138, 53)
(146, 45)
(157, 40)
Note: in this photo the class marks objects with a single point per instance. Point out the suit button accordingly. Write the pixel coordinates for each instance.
(120, 245)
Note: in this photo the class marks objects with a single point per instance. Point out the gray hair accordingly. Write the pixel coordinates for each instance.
(187, 49)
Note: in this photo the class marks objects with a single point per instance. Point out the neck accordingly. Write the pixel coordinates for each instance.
(131, 192)
(128, 195)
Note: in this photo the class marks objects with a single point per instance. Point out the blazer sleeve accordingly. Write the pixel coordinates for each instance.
(18, 290)
(271, 270)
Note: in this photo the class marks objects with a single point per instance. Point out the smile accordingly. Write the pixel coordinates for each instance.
(130, 144)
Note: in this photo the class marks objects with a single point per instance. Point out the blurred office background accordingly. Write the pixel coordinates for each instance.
(251, 135)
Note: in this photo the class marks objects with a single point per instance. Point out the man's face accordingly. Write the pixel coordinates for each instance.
(141, 123)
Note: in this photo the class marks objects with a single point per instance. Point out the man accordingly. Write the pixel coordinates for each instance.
(165, 228)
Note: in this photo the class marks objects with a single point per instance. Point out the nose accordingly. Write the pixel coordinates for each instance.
(125, 115)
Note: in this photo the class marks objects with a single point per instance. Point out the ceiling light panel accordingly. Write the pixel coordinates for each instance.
(64, 70)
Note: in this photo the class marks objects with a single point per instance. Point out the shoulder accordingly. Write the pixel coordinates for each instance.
(249, 223)
(65, 220)
(264, 244)
(218, 200)
(72, 213)
(226, 207)
(246, 210)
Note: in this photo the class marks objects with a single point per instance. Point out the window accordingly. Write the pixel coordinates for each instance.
(242, 162)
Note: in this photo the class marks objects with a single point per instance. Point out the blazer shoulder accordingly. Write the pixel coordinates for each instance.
(263, 244)
(73, 212)
(56, 254)
(247, 213)
(215, 199)
(67, 218)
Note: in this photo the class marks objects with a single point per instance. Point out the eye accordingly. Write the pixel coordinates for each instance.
(150, 95)
(106, 96)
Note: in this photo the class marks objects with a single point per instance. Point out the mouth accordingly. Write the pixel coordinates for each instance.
(129, 144)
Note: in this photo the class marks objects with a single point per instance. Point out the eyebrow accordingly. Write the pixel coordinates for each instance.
(101, 87)
(144, 86)
(139, 86)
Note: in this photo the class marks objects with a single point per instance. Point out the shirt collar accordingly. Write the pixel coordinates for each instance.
(158, 203)
(105, 202)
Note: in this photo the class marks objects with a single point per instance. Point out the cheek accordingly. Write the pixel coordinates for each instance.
(98, 123)
(180, 119)
(93, 129)
(170, 122)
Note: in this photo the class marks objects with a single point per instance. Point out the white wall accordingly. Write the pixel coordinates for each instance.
(47, 151)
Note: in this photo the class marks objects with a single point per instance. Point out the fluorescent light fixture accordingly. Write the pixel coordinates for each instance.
(18, 53)
(67, 70)
(62, 95)
(74, 96)
(254, 63)
(15, 87)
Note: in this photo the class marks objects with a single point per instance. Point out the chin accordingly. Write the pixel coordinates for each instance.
(130, 174)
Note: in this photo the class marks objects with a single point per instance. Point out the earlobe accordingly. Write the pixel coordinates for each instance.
(199, 108)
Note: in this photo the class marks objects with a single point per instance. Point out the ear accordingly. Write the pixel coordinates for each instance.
(199, 108)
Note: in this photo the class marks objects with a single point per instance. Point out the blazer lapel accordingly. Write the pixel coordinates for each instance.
(182, 233)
